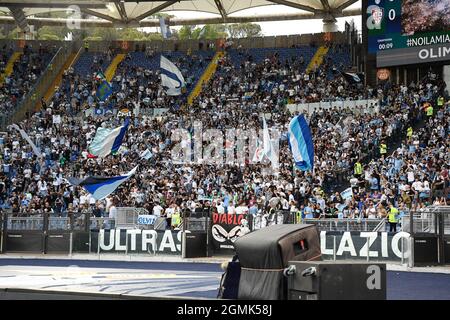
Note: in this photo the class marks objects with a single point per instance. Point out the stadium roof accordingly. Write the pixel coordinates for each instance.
(137, 13)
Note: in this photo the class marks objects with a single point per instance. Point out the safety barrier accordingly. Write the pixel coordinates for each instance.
(81, 232)
(202, 233)
(285, 41)
(357, 106)
(430, 232)
(340, 238)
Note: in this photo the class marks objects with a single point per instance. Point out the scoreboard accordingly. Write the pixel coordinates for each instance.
(403, 32)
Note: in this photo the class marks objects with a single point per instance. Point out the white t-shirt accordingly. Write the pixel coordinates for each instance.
(417, 186)
(157, 210)
(169, 212)
(242, 210)
(220, 209)
(27, 173)
(42, 185)
(83, 199)
(112, 212)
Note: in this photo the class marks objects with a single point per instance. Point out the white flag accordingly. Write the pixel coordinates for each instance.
(269, 150)
(24, 135)
(171, 77)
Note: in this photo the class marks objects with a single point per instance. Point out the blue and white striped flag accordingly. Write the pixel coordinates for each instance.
(101, 187)
(108, 140)
(171, 77)
(165, 30)
(301, 144)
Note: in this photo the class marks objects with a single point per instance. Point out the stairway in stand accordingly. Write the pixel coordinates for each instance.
(10, 65)
(112, 68)
(206, 76)
(317, 59)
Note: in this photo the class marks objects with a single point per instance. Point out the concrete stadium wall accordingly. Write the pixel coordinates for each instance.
(184, 45)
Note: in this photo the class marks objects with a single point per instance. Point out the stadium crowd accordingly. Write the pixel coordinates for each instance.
(25, 72)
(352, 146)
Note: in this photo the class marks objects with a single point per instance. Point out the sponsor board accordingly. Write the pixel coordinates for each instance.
(146, 219)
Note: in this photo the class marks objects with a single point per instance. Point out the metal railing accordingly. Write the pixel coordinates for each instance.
(127, 217)
(381, 226)
(59, 223)
(425, 222)
(25, 223)
(344, 224)
(102, 223)
(329, 224)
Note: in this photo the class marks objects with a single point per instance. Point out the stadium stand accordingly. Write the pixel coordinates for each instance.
(248, 82)
(26, 69)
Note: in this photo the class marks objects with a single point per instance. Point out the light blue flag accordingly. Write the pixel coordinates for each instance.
(165, 30)
(347, 193)
(108, 140)
(301, 144)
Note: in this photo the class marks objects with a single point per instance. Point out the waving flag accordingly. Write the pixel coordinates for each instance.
(165, 30)
(104, 90)
(301, 144)
(107, 140)
(267, 149)
(347, 193)
(171, 77)
(353, 78)
(100, 76)
(259, 152)
(24, 135)
(101, 187)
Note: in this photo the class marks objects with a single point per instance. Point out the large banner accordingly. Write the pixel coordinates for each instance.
(225, 229)
(136, 241)
(352, 245)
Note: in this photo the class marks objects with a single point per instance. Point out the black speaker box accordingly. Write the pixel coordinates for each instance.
(330, 280)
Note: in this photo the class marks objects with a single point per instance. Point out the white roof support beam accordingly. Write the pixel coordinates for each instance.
(97, 4)
(179, 21)
(155, 10)
(222, 11)
(327, 10)
(99, 15)
(345, 5)
(121, 8)
(294, 5)
(19, 18)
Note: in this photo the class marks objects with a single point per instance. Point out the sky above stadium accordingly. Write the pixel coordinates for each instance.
(276, 28)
